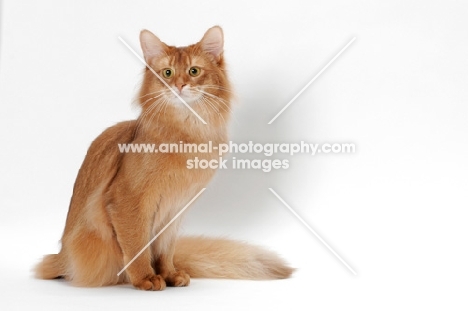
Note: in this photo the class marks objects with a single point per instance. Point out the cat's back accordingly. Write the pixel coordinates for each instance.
(104, 154)
(99, 167)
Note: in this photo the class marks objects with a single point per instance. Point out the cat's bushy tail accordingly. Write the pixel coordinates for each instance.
(49, 268)
(204, 257)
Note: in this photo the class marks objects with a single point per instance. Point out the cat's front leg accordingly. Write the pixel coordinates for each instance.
(163, 250)
(131, 225)
(166, 269)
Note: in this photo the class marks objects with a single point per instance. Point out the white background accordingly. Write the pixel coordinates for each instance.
(396, 210)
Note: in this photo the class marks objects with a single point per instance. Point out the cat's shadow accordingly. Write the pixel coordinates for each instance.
(237, 202)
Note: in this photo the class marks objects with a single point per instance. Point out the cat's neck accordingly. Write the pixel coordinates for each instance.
(187, 127)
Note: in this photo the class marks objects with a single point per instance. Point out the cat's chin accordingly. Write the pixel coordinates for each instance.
(190, 100)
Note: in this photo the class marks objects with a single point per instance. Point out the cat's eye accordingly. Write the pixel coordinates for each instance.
(167, 73)
(194, 71)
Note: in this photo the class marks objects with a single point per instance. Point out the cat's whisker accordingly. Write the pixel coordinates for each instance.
(217, 87)
(156, 110)
(142, 104)
(224, 120)
(154, 107)
(138, 100)
(215, 109)
(210, 103)
(213, 96)
(204, 106)
(155, 92)
(226, 107)
(221, 101)
(141, 119)
(164, 105)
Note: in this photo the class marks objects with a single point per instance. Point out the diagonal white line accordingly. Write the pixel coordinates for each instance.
(160, 232)
(161, 79)
(314, 233)
(311, 81)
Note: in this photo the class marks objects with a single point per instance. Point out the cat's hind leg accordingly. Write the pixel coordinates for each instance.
(92, 261)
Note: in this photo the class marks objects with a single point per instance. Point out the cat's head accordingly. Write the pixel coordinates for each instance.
(195, 73)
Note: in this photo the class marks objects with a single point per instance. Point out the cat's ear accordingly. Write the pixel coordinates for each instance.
(151, 45)
(213, 41)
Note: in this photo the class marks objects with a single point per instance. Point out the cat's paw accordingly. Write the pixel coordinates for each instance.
(151, 282)
(178, 279)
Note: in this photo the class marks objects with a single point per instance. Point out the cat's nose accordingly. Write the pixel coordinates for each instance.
(180, 86)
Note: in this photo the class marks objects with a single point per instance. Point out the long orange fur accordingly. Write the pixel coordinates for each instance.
(121, 200)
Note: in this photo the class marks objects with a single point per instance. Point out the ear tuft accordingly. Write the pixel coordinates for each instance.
(151, 45)
(213, 41)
